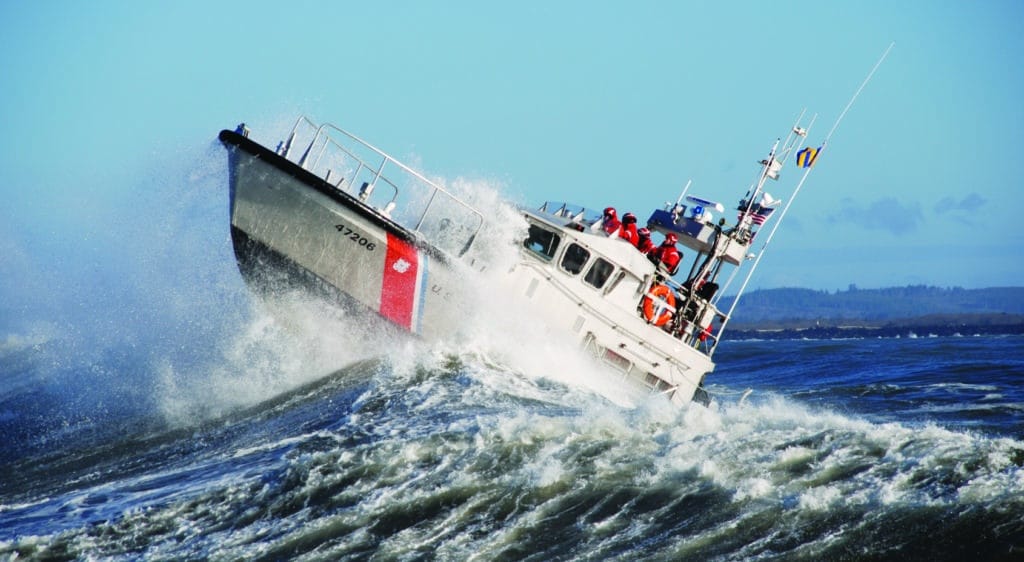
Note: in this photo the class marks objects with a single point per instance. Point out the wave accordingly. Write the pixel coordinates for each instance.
(457, 455)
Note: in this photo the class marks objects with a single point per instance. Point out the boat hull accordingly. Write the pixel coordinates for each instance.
(290, 227)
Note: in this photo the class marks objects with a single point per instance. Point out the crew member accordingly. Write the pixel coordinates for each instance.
(611, 223)
(667, 255)
(643, 241)
(628, 231)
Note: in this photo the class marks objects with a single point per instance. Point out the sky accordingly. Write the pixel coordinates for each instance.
(598, 103)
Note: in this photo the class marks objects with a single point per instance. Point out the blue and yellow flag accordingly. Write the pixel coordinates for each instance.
(806, 157)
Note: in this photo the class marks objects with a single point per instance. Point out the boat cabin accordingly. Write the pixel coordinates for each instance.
(592, 265)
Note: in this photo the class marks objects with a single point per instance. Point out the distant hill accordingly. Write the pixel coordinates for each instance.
(788, 308)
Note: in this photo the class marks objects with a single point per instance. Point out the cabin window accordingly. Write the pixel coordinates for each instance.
(608, 356)
(617, 361)
(575, 258)
(599, 273)
(656, 383)
(615, 282)
(541, 242)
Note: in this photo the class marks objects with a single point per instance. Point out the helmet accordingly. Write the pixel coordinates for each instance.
(644, 233)
(670, 239)
(629, 218)
(609, 212)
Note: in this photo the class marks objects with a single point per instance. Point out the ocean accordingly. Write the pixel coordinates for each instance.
(881, 449)
(152, 409)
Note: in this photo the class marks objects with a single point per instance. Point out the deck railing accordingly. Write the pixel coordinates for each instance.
(353, 165)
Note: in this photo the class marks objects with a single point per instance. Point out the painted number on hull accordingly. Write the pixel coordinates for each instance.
(354, 236)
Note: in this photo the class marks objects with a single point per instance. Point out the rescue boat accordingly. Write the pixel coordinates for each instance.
(329, 212)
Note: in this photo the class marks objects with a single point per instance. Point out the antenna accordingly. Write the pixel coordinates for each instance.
(683, 194)
(800, 184)
(854, 98)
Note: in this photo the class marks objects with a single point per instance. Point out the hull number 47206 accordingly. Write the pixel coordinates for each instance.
(355, 236)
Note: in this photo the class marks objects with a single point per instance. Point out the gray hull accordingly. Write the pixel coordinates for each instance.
(291, 227)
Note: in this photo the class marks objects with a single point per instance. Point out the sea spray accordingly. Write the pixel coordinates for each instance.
(455, 456)
(501, 325)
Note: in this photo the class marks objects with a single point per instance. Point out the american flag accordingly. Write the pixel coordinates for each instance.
(758, 214)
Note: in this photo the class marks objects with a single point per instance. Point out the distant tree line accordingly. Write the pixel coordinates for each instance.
(781, 307)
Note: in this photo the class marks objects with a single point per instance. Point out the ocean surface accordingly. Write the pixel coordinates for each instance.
(907, 448)
(151, 409)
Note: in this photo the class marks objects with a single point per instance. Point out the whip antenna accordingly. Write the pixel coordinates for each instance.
(857, 93)
(807, 171)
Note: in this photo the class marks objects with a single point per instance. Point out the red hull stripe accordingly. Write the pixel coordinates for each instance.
(398, 300)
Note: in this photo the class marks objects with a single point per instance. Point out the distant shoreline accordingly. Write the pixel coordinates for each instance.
(945, 325)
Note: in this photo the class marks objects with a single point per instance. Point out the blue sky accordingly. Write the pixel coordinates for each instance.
(600, 103)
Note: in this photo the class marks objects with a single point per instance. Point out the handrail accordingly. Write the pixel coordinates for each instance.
(327, 134)
(362, 164)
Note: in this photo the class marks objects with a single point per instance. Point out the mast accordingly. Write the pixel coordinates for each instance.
(772, 166)
(796, 190)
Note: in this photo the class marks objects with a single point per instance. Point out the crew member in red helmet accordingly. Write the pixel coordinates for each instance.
(611, 223)
(667, 255)
(643, 241)
(628, 231)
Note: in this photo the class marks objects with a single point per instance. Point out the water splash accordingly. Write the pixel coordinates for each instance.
(458, 456)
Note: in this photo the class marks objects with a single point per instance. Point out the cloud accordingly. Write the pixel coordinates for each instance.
(882, 214)
(970, 203)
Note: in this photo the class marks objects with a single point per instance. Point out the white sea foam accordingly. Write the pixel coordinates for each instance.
(299, 342)
(463, 464)
(37, 333)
